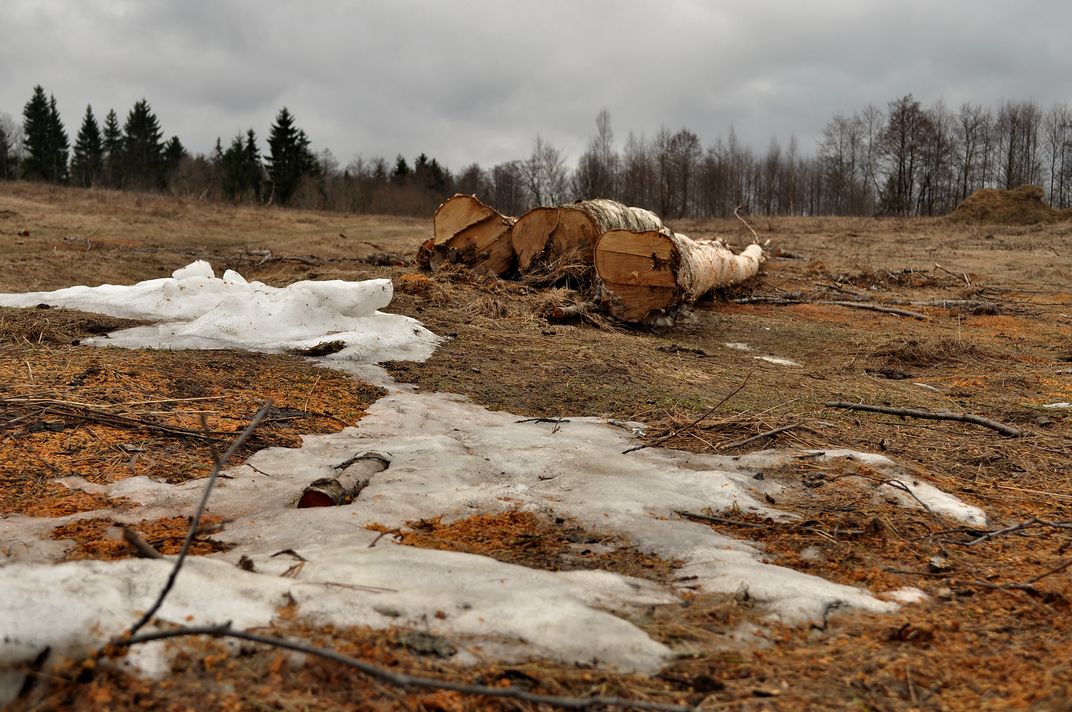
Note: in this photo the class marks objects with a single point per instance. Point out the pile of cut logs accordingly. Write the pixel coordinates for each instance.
(643, 272)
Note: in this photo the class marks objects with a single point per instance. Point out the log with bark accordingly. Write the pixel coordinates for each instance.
(568, 233)
(347, 485)
(471, 233)
(646, 277)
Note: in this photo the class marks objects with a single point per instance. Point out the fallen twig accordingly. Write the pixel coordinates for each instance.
(878, 308)
(871, 306)
(402, 679)
(195, 522)
(1007, 430)
(718, 520)
(141, 547)
(694, 423)
(766, 434)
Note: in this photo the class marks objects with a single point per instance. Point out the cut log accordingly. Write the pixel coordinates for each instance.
(457, 213)
(568, 233)
(471, 233)
(530, 235)
(648, 276)
(347, 485)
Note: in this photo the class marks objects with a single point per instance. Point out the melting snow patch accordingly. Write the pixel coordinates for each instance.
(777, 360)
(449, 458)
(1058, 406)
(737, 346)
(202, 311)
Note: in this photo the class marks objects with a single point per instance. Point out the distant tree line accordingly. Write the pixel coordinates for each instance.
(903, 159)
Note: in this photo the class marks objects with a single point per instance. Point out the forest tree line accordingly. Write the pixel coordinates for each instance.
(903, 159)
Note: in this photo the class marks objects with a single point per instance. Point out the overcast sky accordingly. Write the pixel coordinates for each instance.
(476, 80)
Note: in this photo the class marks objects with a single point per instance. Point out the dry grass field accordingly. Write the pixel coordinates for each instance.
(994, 340)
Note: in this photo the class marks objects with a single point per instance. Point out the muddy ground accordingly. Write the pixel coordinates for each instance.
(995, 340)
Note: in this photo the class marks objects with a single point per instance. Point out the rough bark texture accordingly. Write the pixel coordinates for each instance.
(471, 233)
(346, 486)
(647, 276)
(569, 232)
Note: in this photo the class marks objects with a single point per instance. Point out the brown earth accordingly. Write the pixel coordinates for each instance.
(996, 341)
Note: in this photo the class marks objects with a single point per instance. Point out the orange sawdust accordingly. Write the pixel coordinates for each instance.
(533, 540)
(102, 538)
(60, 501)
(418, 284)
(107, 414)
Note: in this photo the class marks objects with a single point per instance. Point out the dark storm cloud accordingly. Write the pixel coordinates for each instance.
(478, 80)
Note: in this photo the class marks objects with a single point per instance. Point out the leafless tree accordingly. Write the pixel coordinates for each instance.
(1017, 131)
(1057, 131)
(598, 173)
(507, 188)
(545, 174)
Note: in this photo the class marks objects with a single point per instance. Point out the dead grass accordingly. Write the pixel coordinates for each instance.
(1020, 206)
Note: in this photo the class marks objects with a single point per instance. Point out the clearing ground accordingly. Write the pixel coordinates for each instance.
(995, 340)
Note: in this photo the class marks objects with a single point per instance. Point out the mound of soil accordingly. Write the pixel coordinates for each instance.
(1019, 206)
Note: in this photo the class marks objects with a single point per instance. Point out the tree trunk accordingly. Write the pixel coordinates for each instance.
(568, 233)
(471, 233)
(646, 276)
(347, 485)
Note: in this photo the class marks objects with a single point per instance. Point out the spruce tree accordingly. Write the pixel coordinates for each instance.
(88, 162)
(58, 144)
(113, 150)
(241, 169)
(37, 137)
(143, 150)
(400, 175)
(289, 158)
(174, 152)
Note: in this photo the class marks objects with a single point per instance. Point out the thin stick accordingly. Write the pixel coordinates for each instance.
(929, 415)
(878, 308)
(767, 434)
(737, 214)
(141, 547)
(401, 679)
(694, 423)
(718, 520)
(195, 523)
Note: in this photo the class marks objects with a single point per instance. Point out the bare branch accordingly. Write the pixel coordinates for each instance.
(195, 523)
(401, 679)
(1007, 430)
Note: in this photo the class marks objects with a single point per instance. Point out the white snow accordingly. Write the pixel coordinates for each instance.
(1058, 406)
(778, 360)
(201, 311)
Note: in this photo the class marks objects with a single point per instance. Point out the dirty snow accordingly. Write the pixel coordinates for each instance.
(198, 310)
(449, 458)
(777, 360)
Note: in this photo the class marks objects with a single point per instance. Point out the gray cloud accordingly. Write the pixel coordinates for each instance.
(478, 80)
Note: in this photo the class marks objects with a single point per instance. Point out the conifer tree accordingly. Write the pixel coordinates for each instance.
(113, 150)
(289, 158)
(58, 145)
(174, 152)
(36, 119)
(402, 171)
(88, 162)
(241, 169)
(143, 150)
